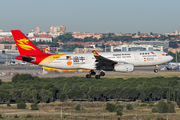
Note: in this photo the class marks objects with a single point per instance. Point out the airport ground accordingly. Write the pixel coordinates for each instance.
(10, 71)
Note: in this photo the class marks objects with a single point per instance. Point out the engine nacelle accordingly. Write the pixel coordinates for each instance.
(124, 68)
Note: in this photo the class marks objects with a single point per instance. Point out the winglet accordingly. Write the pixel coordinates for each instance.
(95, 53)
(46, 50)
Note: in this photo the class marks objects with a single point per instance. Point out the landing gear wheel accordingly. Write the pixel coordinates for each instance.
(155, 70)
(88, 76)
(92, 72)
(102, 73)
(97, 76)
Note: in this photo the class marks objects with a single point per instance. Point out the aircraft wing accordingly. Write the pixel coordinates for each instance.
(101, 58)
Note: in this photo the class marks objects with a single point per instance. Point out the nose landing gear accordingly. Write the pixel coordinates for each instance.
(156, 70)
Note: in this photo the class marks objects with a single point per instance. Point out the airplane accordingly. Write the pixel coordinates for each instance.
(171, 66)
(105, 61)
(174, 63)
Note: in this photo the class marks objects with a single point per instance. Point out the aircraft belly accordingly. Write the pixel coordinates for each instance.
(147, 63)
(141, 62)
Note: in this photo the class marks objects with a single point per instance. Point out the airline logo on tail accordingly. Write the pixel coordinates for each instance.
(24, 44)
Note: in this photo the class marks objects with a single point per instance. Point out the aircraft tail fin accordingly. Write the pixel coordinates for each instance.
(24, 45)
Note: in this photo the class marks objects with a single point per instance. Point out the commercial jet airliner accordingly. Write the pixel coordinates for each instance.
(105, 61)
(171, 66)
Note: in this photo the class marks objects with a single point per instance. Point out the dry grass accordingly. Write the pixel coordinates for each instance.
(6, 80)
(91, 110)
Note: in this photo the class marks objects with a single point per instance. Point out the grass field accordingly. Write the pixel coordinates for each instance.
(141, 74)
(130, 75)
(90, 111)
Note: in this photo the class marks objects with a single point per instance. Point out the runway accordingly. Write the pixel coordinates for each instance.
(10, 71)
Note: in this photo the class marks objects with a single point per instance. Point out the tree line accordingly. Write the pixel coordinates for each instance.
(174, 56)
(26, 88)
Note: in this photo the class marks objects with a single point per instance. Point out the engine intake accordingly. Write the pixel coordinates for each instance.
(124, 68)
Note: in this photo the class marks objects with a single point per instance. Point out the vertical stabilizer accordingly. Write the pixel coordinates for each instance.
(24, 45)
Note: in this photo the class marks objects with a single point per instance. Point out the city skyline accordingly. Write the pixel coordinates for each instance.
(92, 16)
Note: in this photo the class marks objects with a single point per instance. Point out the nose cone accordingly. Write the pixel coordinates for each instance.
(170, 58)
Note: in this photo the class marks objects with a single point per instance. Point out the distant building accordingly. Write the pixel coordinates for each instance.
(174, 50)
(165, 44)
(37, 30)
(41, 33)
(84, 35)
(8, 46)
(31, 34)
(9, 52)
(62, 29)
(54, 35)
(6, 58)
(55, 29)
(5, 34)
(9, 49)
(8, 38)
(40, 39)
(137, 48)
(87, 50)
(177, 32)
(43, 37)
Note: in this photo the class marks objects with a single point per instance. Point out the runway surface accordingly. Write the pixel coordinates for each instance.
(10, 71)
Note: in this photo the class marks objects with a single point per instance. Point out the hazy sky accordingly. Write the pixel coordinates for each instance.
(126, 16)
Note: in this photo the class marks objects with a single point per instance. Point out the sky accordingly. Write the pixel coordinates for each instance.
(99, 16)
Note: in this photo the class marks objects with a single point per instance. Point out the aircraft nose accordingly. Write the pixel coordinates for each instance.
(170, 58)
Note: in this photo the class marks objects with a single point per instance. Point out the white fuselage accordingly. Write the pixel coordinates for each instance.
(88, 61)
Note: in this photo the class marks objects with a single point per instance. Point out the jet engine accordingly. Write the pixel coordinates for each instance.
(124, 67)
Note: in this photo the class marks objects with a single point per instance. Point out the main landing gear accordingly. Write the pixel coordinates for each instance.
(92, 72)
(156, 70)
